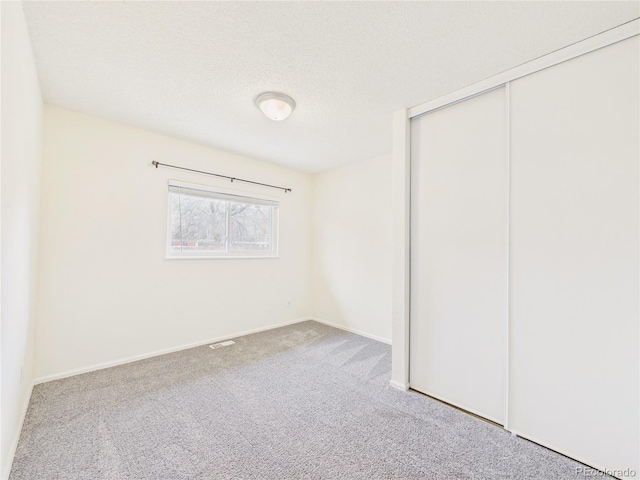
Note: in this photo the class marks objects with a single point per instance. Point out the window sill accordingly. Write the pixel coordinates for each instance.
(221, 257)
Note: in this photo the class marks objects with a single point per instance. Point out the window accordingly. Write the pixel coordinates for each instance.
(212, 223)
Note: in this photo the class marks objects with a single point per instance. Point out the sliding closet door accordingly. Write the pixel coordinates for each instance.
(574, 257)
(458, 254)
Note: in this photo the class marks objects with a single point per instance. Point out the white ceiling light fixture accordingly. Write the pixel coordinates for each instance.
(276, 106)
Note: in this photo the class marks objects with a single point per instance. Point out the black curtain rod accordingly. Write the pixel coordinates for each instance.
(233, 179)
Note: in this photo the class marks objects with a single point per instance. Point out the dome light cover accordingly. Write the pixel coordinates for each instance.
(276, 106)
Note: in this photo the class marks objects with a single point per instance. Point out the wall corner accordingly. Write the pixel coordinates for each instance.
(401, 180)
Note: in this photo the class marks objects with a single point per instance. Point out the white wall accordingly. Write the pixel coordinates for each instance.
(352, 245)
(106, 292)
(21, 161)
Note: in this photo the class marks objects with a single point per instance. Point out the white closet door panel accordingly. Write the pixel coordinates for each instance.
(574, 257)
(458, 254)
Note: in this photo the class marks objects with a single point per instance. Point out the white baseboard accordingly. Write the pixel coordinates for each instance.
(399, 386)
(6, 469)
(135, 358)
(352, 330)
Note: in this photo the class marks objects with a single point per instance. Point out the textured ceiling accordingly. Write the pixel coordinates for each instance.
(192, 69)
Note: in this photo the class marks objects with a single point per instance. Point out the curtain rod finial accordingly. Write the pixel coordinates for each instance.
(154, 163)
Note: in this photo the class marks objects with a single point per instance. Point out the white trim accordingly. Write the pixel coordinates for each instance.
(617, 34)
(219, 257)
(507, 118)
(453, 102)
(401, 209)
(135, 358)
(14, 445)
(352, 330)
(403, 387)
(225, 191)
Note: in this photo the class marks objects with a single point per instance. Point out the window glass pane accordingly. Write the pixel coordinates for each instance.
(217, 224)
(176, 232)
(250, 227)
(203, 224)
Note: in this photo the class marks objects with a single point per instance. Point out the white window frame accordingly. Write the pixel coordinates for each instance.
(273, 253)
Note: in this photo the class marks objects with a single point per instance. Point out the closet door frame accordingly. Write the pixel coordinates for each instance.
(401, 179)
(401, 187)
